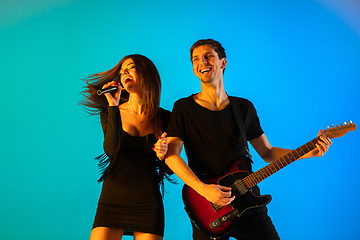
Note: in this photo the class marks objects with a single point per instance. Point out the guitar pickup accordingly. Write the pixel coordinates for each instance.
(216, 223)
(241, 187)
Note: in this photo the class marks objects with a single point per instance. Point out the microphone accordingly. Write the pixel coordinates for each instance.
(106, 90)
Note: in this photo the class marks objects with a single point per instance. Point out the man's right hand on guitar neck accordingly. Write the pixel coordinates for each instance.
(217, 194)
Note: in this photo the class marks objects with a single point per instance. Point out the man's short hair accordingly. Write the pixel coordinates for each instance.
(215, 44)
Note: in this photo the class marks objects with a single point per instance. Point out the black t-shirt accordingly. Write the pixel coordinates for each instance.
(212, 138)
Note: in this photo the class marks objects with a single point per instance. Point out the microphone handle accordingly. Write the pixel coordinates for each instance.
(106, 90)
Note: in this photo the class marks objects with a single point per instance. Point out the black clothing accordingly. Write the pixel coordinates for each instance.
(212, 140)
(199, 129)
(130, 198)
(252, 226)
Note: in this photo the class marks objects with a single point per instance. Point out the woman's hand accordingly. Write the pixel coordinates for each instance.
(161, 146)
(113, 100)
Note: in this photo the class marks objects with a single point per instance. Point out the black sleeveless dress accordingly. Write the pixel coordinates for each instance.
(130, 198)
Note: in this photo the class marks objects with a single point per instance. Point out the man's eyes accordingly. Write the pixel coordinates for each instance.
(209, 56)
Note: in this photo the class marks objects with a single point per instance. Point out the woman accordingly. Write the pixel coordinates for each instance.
(132, 121)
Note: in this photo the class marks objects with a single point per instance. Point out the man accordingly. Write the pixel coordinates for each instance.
(206, 124)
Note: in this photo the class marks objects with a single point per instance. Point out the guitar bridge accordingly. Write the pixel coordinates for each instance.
(216, 223)
(215, 206)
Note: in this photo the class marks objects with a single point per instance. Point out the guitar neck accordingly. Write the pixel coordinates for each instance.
(278, 164)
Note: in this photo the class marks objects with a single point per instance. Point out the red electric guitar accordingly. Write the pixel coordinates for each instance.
(217, 222)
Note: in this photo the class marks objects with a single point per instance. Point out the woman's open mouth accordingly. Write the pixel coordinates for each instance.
(128, 79)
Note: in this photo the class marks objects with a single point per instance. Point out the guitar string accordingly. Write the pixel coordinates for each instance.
(268, 170)
(271, 168)
(284, 162)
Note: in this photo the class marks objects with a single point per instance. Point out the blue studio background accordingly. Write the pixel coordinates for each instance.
(297, 61)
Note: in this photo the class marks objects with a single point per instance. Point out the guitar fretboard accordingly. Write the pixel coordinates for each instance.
(278, 164)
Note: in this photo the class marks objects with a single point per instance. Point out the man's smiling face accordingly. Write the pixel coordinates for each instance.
(206, 63)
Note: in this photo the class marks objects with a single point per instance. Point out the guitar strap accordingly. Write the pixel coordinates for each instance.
(239, 120)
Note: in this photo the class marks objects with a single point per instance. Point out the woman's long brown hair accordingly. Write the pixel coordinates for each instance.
(149, 79)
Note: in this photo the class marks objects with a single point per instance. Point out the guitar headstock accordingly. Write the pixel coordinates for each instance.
(339, 131)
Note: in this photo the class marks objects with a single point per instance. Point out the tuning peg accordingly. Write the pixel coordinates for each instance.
(350, 121)
(332, 125)
(345, 123)
(327, 127)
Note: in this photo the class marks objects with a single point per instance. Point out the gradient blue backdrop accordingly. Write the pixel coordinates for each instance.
(297, 61)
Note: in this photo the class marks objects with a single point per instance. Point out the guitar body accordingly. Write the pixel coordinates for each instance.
(212, 220)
